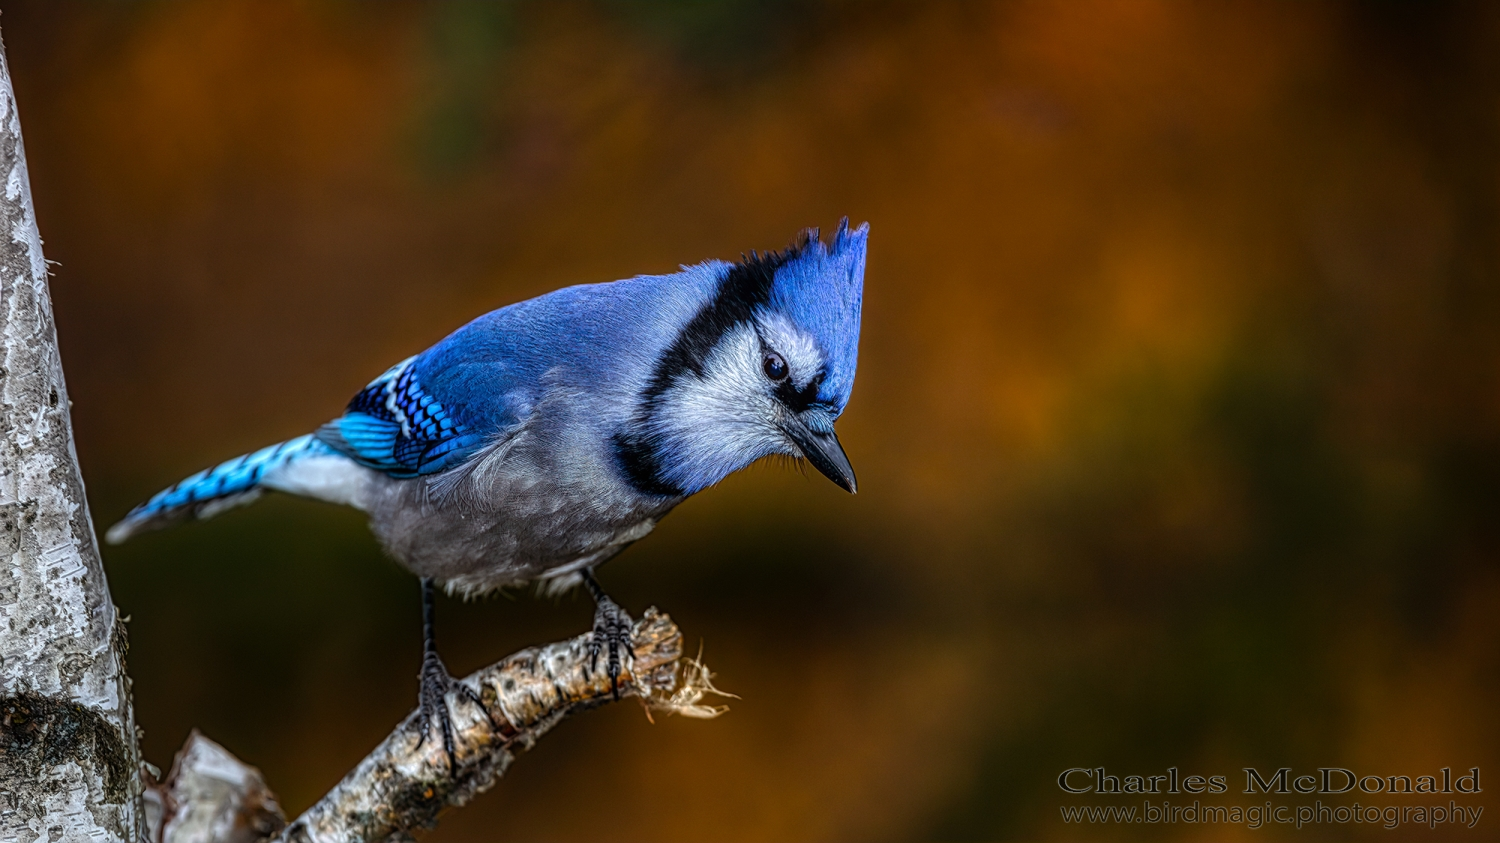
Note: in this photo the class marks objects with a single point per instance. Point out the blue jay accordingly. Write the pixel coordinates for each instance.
(539, 440)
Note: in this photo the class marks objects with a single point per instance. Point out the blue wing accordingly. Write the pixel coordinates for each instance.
(434, 411)
(397, 427)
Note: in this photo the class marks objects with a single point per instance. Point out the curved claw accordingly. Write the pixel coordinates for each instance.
(432, 698)
(432, 702)
(611, 636)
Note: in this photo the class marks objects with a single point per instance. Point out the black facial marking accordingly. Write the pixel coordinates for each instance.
(638, 457)
(796, 399)
(746, 286)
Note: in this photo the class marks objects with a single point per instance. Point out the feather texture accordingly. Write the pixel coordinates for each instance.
(396, 427)
(542, 438)
(211, 491)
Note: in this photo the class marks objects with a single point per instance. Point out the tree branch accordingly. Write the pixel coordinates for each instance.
(69, 763)
(405, 783)
(211, 797)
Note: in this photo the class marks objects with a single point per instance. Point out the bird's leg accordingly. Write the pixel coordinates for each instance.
(436, 682)
(611, 633)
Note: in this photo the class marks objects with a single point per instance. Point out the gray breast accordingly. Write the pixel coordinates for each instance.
(530, 506)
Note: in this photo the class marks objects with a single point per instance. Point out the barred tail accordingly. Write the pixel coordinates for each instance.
(207, 493)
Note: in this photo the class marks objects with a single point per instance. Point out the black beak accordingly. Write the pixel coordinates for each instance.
(824, 452)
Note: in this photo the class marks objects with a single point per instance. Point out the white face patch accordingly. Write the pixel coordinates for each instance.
(793, 344)
(719, 423)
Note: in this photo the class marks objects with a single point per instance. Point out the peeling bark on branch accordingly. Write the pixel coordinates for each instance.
(405, 783)
(211, 797)
(68, 758)
(401, 787)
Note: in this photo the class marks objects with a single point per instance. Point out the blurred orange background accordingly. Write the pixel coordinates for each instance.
(1177, 422)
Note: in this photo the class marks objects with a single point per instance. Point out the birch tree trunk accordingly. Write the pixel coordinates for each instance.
(69, 762)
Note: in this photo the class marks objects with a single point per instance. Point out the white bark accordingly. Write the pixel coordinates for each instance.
(69, 763)
(406, 782)
(211, 797)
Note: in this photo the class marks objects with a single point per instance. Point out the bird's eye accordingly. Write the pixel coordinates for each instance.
(775, 366)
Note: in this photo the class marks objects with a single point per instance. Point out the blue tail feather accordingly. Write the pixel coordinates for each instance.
(213, 490)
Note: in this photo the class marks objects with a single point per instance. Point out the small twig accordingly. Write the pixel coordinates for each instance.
(402, 787)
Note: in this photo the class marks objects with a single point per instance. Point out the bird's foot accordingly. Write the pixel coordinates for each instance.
(611, 636)
(432, 703)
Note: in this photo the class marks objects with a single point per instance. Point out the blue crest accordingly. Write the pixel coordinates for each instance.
(820, 288)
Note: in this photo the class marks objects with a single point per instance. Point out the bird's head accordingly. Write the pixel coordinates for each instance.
(763, 368)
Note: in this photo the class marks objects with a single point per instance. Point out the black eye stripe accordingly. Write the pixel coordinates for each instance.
(745, 287)
(786, 391)
(796, 399)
